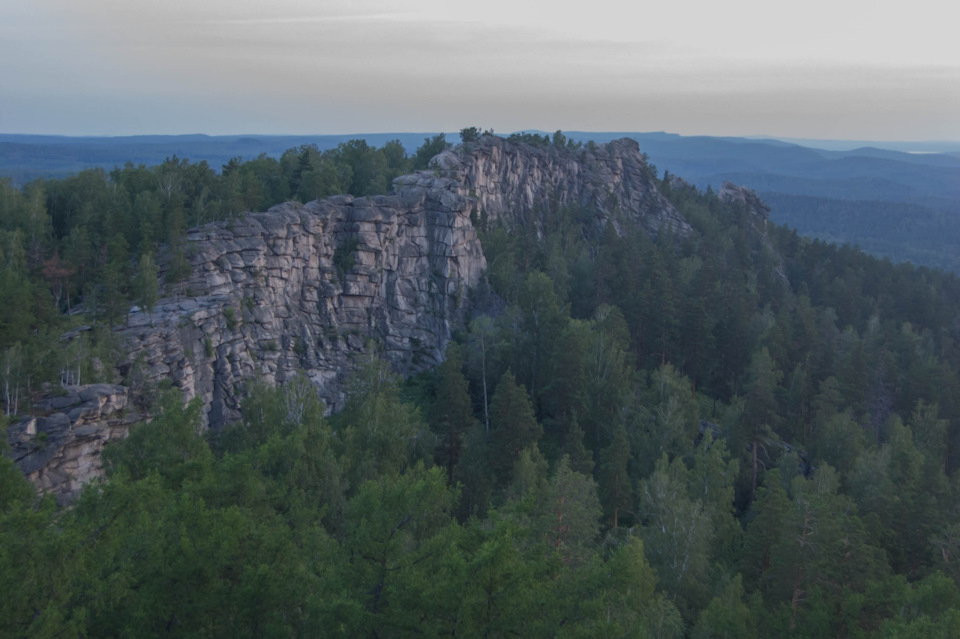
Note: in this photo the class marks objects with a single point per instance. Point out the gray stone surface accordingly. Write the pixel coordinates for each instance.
(60, 452)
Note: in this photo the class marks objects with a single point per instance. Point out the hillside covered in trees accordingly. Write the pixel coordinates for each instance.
(730, 431)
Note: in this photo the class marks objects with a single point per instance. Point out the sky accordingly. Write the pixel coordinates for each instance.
(841, 69)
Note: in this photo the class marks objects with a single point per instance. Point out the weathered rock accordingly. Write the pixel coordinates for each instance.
(518, 183)
(60, 452)
(302, 287)
(736, 194)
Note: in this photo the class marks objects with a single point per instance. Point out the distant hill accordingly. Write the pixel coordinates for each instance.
(895, 199)
(900, 231)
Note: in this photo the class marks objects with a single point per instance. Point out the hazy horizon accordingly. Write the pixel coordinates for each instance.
(929, 146)
(112, 68)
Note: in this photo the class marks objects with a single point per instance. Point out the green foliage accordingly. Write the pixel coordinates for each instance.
(147, 289)
(169, 445)
(14, 487)
(470, 134)
(677, 532)
(451, 415)
(738, 432)
(618, 498)
(391, 540)
(230, 318)
(379, 434)
(668, 421)
(430, 148)
(570, 513)
(727, 616)
(533, 139)
(513, 427)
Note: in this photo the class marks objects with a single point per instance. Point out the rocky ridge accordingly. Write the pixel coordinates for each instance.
(517, 183)
(312, 288)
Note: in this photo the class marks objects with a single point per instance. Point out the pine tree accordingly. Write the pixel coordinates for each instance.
(581, 459)
(451, 415)
(146, 286)
(572, 511)
(483, 342)
(513, 426)
(616, 491)
(762, 412)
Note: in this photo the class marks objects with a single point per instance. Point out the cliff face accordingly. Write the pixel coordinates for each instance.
(311, 287)
(304, 288)
(515, 183)
(738, 195)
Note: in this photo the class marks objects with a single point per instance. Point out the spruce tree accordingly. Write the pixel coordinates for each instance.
(451, 415)
(616, 491)
(513, 426)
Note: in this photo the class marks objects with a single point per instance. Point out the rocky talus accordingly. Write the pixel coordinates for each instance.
(316, 287)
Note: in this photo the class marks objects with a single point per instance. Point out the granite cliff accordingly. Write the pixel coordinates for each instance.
(313, 287)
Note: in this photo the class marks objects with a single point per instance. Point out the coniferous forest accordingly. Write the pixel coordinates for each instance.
(736, 433)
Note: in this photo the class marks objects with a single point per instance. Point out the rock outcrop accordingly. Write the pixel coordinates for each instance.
(742, 196)
(312, 288)
(307, 288)
(759, 212)
(59, 449)
(516, 183)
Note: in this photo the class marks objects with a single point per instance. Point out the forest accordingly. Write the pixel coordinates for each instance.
(740, 432)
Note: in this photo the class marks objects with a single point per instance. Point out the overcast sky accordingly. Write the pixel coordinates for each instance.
(850, 69)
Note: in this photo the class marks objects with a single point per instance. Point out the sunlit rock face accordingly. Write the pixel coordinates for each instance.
(316, 287)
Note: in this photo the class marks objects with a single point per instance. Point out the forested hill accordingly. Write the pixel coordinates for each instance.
(714, 428)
